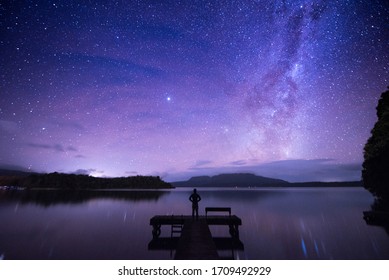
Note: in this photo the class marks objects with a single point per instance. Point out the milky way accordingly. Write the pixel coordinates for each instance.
(183, 88)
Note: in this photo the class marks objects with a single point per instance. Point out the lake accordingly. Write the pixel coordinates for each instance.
(277, 223)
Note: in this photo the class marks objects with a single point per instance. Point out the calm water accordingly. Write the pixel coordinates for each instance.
(304, 223)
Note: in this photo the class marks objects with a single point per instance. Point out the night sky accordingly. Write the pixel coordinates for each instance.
(285, 89)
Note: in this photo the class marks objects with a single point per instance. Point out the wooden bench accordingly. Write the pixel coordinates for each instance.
(217, 209)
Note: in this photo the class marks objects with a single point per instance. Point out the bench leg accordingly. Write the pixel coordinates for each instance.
(156, 231)
(234, 231)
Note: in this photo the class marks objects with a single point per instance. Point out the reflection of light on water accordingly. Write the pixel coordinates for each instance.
(316, 248)
(276, 224)
(302, 225)
(303, 247)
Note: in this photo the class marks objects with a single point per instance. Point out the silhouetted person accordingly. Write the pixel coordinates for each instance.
(195, 198)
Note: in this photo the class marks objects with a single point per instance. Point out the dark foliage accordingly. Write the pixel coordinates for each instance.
(375, 173)
(77, 182)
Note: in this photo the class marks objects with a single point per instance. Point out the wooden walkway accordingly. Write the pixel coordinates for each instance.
(196, 241)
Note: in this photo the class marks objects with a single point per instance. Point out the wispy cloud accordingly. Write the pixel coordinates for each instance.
(239, 162)
(201, 163)
(131, 173)
(85, 171)
(8, 126)
(80, 156)
(54, 147)
(71, 149)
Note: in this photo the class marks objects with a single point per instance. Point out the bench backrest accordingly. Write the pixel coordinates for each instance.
(217, 209)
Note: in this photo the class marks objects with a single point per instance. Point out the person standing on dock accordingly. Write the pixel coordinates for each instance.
(195, 199)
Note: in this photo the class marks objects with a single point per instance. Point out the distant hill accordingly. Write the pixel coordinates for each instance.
(231, 180)
(24, 178)
(251, 180)
(12, 177)
(78, 182)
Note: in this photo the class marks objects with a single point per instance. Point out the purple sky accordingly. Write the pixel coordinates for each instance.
(286, 89)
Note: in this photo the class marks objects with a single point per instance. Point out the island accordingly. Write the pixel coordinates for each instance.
(243, 180)
(64, 181)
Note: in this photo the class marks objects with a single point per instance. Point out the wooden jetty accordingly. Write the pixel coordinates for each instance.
(195, 240)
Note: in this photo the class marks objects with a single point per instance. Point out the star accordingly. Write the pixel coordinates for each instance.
(250, 81)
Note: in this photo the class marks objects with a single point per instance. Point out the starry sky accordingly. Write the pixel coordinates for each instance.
(285, 89)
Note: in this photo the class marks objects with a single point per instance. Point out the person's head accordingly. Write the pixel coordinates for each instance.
(194, 190)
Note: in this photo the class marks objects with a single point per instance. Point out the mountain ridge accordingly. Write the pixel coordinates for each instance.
(230, 180)
(11, 177)
(252, 180)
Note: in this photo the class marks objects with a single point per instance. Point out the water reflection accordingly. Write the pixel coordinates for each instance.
(49, 198)
(308, 223)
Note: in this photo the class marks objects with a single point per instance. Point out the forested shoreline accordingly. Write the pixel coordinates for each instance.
(76, 182)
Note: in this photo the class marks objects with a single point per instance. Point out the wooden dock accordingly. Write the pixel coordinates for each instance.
(195, 240)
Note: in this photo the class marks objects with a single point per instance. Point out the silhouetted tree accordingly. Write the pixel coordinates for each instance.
(375, 173)
(77, 182)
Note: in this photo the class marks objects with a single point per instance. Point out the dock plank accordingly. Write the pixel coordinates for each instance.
(196, 242)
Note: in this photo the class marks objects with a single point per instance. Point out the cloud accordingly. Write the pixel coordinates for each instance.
(54, 147)
(83, 171)
(71, 149)
(131, 173)
(87, 171)
(239, 162)
(201, 163)
(80, 156)
(40, 146)
(8, 126)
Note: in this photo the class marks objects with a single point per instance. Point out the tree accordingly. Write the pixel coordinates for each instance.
(375, 172)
